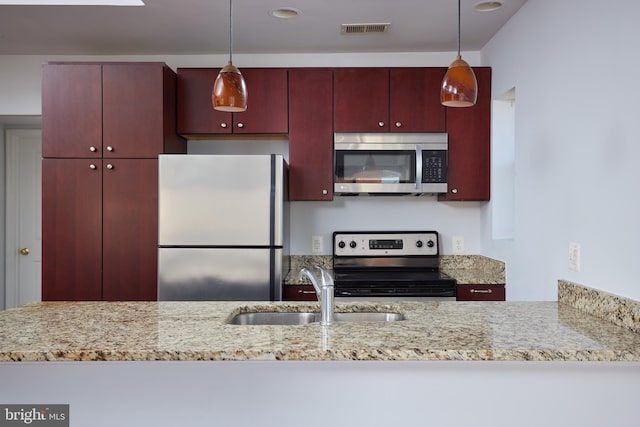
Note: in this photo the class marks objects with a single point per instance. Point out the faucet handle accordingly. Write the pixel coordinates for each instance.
(325, 277)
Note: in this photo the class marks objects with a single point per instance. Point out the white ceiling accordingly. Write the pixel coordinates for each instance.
(192, 27)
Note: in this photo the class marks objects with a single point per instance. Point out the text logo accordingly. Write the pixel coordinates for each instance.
(34, 415)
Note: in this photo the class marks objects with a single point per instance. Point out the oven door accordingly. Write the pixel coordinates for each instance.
(375, 168)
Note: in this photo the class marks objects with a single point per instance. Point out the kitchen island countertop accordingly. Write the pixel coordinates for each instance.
(141, 331)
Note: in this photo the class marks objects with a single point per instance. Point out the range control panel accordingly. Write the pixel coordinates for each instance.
(424, 243)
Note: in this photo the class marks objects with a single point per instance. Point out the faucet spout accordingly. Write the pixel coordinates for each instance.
(324, 291)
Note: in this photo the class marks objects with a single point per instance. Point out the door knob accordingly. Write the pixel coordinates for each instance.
(24, 251)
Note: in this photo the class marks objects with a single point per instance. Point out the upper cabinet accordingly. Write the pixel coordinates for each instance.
(388, 100)
(267, 103)
(120, 110)
(310, 134)
(469, 132)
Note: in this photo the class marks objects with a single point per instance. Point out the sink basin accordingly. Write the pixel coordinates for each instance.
(292, 318)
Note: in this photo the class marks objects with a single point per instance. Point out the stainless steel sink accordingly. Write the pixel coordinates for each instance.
(292, 318)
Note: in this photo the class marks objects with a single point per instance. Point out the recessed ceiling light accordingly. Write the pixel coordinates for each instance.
(488, 6)
(285, 12)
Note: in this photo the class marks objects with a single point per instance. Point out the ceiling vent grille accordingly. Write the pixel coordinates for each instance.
(364, 28)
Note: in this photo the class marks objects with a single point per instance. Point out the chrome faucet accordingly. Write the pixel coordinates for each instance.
(324, 290)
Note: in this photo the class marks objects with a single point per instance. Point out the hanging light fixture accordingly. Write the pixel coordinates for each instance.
(229, 90)
(459, 86)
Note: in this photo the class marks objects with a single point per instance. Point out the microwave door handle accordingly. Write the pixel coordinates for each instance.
(418, 167)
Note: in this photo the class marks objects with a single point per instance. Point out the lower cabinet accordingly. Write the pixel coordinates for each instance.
(299, 293)
(480, 293)
(100, 229)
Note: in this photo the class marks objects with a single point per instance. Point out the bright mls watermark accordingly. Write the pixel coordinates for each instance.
(34, 415)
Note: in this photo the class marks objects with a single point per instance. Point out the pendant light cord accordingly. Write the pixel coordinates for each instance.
(458, 27)
(230, 30)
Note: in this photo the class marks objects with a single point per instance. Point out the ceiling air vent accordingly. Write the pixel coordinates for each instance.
(364, 28)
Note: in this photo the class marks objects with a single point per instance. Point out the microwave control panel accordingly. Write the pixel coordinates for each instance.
(434, 166)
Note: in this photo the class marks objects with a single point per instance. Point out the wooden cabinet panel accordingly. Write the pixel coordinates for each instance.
(71, 230)
(414, 101)
(310, 134)
(361, 100)
(130, 229)
(138, 110)
(469, 132)
(480, 293)
(267, 103)
(71, 110)
(299, 293)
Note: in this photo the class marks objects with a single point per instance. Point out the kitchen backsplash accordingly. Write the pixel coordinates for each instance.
(466, 269)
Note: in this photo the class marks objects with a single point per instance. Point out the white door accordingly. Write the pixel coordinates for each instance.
(24, 216)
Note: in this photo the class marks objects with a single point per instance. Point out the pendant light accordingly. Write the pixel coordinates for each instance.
(459, 86)
(229, 90)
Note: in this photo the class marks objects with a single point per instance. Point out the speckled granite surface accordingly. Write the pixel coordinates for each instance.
(617, 310)
(448, 330)
(466, 269)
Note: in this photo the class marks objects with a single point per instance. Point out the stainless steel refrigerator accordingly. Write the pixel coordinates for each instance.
(223, 227)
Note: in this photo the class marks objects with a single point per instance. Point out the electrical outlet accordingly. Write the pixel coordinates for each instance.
(458, 244)
(317, 245)
(574, 256)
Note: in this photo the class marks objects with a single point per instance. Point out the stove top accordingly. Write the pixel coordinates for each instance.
(391, 263)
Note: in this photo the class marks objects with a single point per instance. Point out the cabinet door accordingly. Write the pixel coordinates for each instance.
(267, 102)
(133, 110)
(361, 100)
(310, 134)
(71, 230)
(130, 229)
(469, 132)
(71, 110)
(414, 100)
(196, 115)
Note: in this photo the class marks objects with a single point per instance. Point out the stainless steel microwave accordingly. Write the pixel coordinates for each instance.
(390, 163)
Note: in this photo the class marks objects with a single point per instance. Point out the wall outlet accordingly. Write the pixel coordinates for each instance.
(574, 256)
(458, 244)
(317, 245)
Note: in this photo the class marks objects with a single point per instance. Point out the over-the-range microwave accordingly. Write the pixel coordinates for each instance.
(390, 163)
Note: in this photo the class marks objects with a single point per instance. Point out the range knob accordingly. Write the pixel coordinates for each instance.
(431, 243)
(419, 244)
(353, 244)
(341, 244)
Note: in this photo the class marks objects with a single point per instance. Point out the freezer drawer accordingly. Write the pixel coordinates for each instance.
(219, 274)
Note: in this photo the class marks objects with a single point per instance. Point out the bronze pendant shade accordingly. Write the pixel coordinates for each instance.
(229, 90)
(459, 86)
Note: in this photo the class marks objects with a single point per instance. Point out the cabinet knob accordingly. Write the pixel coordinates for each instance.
(92, 166)
(24, 251)
(110, 166)
(381, 124)
(454, 190)
(93, 149)
(240, 125)
(398, 124)
(223, 125)
(109, 148)
(325, 192)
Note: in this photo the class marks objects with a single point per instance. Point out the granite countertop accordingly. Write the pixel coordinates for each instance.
(448, 330)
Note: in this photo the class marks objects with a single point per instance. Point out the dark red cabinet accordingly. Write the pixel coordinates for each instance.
(388, 100)
(480, 293)
(310, 134)
(469, 132)
(267, 103)
(99, 205)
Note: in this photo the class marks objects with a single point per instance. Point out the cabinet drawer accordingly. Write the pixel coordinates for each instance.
(480, 293)
(299, 293)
